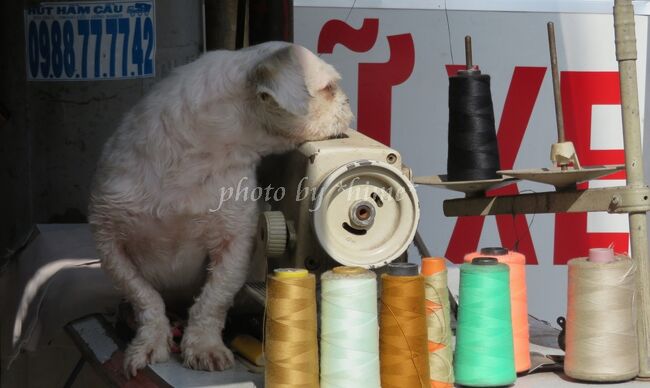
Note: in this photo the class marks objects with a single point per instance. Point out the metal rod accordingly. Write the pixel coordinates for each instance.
(421, 245)
(74, 374)
(626, 56)
(559, 117)
(468, 52)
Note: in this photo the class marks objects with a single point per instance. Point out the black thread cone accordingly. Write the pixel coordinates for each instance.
(473, 151)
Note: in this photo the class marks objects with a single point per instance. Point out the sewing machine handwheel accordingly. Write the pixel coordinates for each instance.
(365, 214)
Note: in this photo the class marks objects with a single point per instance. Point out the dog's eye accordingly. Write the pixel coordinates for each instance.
(264, 96)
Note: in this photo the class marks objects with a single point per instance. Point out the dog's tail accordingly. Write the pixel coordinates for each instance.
(39, 281)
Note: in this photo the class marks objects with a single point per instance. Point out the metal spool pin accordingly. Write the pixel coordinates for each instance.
(563, 163)
(468, 52)
(559, 117)
(469, 61)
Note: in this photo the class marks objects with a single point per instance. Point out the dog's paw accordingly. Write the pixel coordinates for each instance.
(150, 345)
(205, 350)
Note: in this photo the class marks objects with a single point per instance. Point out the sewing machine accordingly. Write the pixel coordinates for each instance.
(341, 201)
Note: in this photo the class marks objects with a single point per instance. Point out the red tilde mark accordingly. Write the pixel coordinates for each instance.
(376, 81)
(580, 92)
(337, 31)
(513, 231)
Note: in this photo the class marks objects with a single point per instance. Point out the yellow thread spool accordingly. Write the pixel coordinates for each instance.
(291, 345)
(290, 273)
(249, 347)
(403, 351)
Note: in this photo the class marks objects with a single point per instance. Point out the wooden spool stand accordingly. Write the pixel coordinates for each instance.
(633, 199)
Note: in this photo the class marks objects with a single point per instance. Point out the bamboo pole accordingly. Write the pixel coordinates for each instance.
(626, 57)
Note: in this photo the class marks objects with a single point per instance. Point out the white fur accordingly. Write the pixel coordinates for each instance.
(200, 130)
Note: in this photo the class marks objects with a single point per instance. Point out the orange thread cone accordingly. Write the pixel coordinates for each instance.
(519, 305)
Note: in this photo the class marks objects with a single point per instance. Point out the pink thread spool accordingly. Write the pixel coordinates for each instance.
(601, 255)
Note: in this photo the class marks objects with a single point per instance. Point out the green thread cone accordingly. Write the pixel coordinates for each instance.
(484, 345)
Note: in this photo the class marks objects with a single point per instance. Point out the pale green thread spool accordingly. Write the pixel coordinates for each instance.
(601, 342)
(349, 329)
(484, 345)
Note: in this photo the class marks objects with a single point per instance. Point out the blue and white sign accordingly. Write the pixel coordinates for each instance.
(83, 41)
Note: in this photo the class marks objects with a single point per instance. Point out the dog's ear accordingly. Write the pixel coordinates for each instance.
(281, 77)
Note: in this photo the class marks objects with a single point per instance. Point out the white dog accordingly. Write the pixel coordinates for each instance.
(200, 130)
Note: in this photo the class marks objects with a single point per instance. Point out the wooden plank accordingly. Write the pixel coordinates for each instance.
(590, 200)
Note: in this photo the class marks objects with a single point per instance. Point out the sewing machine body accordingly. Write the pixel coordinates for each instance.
(340, 206)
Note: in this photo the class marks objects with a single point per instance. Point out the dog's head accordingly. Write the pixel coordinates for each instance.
(298, 96)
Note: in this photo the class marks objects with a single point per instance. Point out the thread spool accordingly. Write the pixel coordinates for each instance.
(441, 372)
(473, 152)
(291, 347)
(484, 345)
(601, 341)
(403, 349)
(249, 347)
(349, 329)
(601, 255)
(518, 300)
